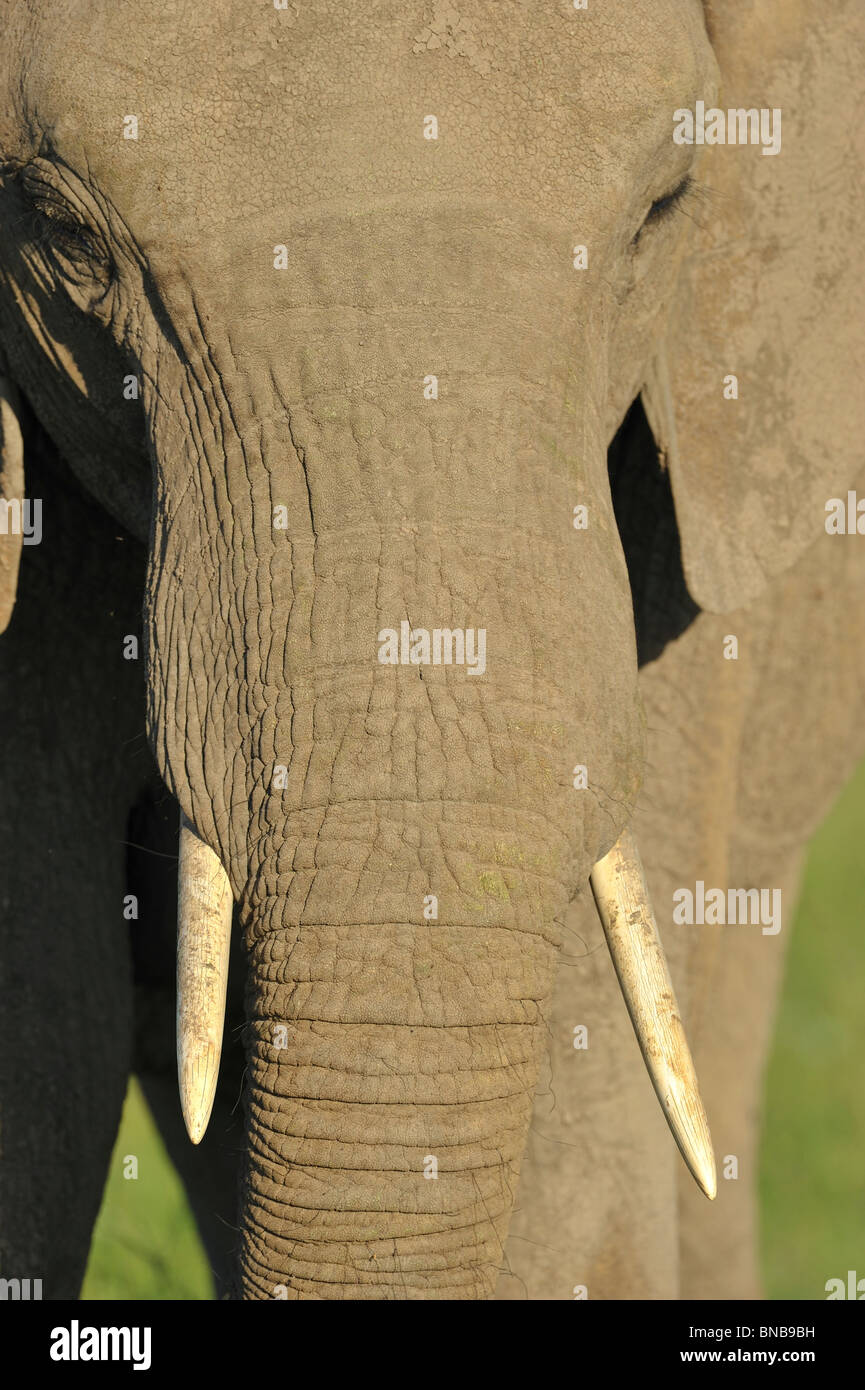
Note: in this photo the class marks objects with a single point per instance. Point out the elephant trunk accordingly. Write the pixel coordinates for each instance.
(395, 1032)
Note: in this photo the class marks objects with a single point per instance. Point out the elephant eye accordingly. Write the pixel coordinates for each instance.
(73, 246)
(53, 228)
(662, 207)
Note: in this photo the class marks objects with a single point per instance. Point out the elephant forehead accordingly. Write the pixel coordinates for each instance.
(250, 107)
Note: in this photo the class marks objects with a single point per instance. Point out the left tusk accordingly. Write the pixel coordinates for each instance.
(204, 906)
(619, 886)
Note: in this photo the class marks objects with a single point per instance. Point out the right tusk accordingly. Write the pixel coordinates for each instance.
(619, 886)
(204, 906)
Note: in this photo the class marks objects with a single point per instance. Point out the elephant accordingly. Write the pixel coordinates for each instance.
(418, 427)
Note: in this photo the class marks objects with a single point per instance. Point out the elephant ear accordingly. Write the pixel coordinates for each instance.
(11, 498)
(771, 293)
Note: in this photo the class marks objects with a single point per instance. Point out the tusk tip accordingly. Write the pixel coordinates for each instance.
(196, 1130)
(198, 1090)
(690, 1128)
(706, 1180)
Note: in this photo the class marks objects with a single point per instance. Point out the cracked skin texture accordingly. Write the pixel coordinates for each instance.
(302, 388)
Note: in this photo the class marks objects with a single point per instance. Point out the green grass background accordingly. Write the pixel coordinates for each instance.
(812, 1169)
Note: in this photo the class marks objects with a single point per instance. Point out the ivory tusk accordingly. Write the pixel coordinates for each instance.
(204, 905)
(619, 886)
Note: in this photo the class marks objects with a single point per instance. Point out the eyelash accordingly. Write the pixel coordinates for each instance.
(665, 206)
(53, 228)
(662, 206)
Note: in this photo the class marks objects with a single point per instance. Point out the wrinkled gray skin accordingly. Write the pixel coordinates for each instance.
(303, 388)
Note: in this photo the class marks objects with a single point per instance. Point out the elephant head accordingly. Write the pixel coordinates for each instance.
(339, 313)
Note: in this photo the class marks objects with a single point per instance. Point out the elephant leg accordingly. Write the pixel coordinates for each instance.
(720, 1241)
(209, 1171)
(812, 707)
(69, 760)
